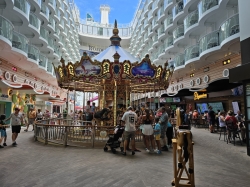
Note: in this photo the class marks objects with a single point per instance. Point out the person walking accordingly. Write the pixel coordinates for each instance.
(211, 119)
(31, 119)
(164, 124)
(3, 131)
(129, 118)
(16, 121)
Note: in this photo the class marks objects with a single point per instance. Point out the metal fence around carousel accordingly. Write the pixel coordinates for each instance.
(74, 133)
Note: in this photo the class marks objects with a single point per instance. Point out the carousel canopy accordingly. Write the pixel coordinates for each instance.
(115, 47)
(111, 50)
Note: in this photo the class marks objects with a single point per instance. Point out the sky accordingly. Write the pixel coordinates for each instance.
(121, 10)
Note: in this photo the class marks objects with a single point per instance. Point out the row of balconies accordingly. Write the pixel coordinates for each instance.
(178, 8)
(53, 26)
(190, 20)
(229, 28)
(20, 42)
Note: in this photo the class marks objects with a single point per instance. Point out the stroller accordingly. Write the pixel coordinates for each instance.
(113, 141)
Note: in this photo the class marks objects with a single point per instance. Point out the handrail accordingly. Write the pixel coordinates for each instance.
(74, 132)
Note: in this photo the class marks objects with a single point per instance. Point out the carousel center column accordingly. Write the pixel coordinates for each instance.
(115, 103)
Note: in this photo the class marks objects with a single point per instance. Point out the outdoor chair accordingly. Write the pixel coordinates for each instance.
(224, 131)
(232, 135)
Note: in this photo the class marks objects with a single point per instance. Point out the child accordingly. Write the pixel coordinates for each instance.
(3, 131)
(157, 132)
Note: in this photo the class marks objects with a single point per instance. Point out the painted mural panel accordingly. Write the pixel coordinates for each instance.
(86, 68)
(143, 69)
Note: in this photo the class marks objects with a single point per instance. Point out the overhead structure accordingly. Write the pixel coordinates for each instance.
(114, 74)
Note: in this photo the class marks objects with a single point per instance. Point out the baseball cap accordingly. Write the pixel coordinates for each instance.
(129, 108)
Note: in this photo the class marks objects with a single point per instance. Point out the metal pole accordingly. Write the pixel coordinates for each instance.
(74, 98)
(83, 101)
(114, 105)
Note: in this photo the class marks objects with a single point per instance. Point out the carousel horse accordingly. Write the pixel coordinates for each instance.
(103, 115)
(184, 148)
(184, 141)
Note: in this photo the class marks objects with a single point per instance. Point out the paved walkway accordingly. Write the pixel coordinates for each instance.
(33, 164)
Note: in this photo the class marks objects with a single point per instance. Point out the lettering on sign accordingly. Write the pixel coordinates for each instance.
(198, 96)
(93, 48)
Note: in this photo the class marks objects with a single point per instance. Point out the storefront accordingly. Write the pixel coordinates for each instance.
(5, 102)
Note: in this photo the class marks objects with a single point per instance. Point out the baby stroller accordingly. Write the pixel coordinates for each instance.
(113, 141)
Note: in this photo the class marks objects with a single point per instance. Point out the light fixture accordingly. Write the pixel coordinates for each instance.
(14, 68)
(192, 75)
(225, 62)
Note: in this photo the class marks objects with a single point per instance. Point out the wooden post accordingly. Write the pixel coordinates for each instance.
(46, 135)
(66, 137)
(93, 136)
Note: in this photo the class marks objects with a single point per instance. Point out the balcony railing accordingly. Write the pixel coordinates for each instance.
(52, 22)
(45, 10)
(178, 8)
(44, 33)
(23, 5)
(168, 42)
(209, 41)
(62, 23)
(33, 52)
(205, 5)
(168, 21)
(43, 60)
(192, 52)
(53, 3)
(178, 32)
(179, 60)
(161, 30)
(34, 21)
(49, 67)
(160, 12)
(51, 42)
(167, 2)
(19, 41)
(103, 31)
(6, 28)
(191, 19)
(58, 14)
(229, 27)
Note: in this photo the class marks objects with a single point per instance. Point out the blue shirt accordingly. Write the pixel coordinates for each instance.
(157, 128)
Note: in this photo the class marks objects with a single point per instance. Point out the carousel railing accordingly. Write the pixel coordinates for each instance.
(78, 133)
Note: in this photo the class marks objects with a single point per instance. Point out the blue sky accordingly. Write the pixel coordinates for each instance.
(121, 10)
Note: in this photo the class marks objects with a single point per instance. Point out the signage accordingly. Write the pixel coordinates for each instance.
(198, 96)
(169, 99)
(176, 99)
(93, 48)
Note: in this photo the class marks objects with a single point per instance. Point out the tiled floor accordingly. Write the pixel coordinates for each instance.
(217, 164)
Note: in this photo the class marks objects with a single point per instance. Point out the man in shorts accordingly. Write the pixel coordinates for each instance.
(16, 121)
(31, 119)
(130, 119)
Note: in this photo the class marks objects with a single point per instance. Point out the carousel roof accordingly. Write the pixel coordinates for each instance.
(114, 48)
(111, 50)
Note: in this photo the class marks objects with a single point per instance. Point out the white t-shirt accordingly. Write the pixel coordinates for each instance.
(130, 119)
(15, 119)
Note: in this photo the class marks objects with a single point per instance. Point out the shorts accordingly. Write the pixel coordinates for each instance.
(147, 130)
(16, 129)
(157, 136)
(129, 135)
(3, 133)
(211, 122)
(31, 121)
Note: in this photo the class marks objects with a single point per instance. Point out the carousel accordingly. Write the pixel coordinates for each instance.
(114, 74)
